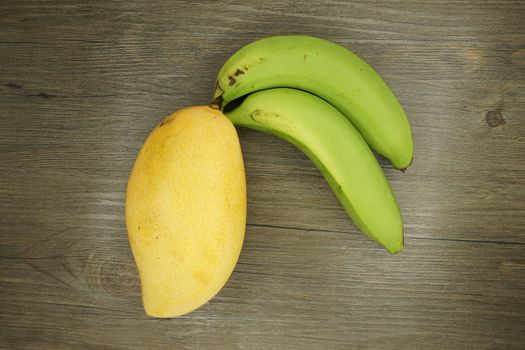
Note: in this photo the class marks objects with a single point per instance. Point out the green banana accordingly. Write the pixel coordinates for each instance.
(336, 148)
(329, 71)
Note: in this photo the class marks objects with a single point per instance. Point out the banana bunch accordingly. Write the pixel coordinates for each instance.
(334, 107)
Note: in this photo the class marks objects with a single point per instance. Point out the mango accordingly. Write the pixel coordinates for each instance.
(186, 210)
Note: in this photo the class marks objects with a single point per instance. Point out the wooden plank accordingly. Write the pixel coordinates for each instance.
(291, 289)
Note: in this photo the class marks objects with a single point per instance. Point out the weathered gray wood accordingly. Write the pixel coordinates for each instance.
(83, 83)
(291, 289)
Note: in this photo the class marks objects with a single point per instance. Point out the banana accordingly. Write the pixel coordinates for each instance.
(336, 148)
(329, 71)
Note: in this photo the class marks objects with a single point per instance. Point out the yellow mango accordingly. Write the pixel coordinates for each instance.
(186, 210)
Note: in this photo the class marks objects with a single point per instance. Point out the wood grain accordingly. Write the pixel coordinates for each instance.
(83, 83)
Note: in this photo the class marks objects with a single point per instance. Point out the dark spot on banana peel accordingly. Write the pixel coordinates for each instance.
(218, 100)
(238, 72)
(231, 80)
(305, 56)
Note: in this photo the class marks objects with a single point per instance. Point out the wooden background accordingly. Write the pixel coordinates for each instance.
(83, 82)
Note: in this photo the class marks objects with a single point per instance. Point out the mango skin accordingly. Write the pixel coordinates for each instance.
(186, 210)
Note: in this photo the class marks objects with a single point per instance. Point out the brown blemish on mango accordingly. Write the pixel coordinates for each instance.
(167, 120)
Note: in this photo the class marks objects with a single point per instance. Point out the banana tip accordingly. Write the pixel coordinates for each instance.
(409, 164)
(396, 250)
